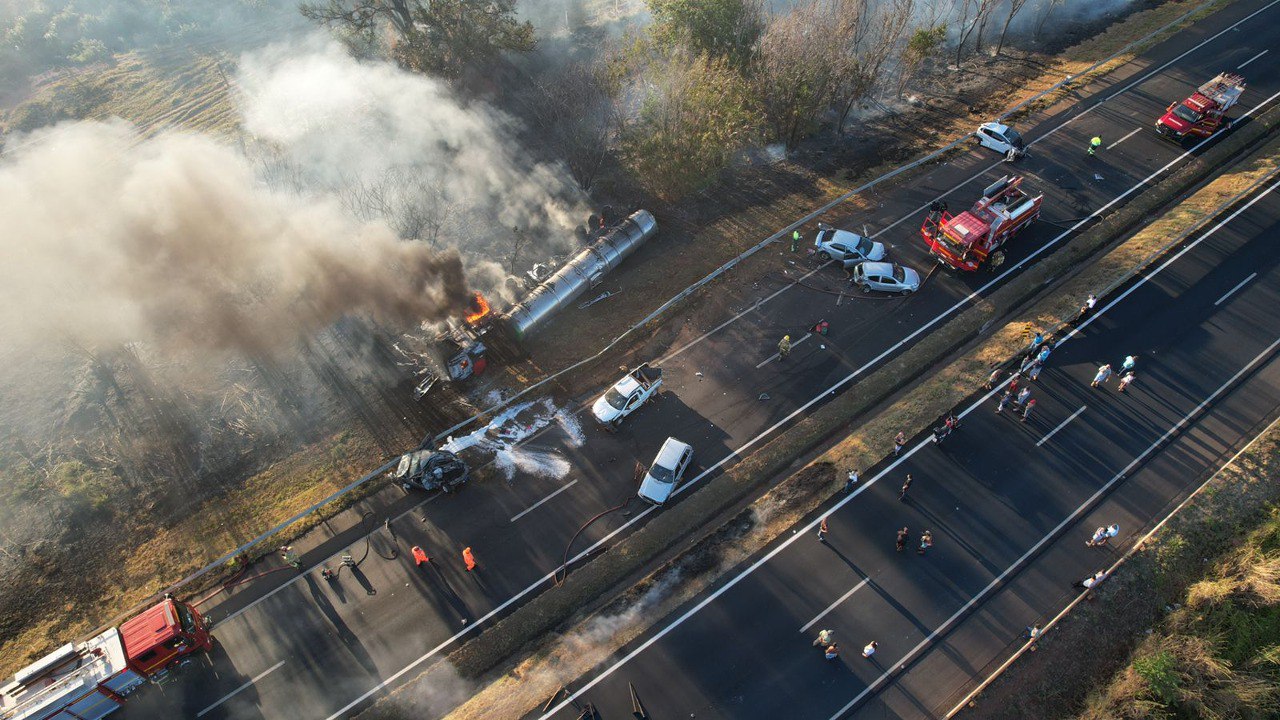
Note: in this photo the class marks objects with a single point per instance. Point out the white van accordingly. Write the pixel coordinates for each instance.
(665, 472)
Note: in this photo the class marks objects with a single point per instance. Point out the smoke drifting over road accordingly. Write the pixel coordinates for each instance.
(108, 237)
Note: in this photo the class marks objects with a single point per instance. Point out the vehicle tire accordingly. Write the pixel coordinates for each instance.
(823, 255)
(865, 289)
(906, 293)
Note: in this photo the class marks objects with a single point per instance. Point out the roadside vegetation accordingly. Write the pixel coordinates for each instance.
(121, 475)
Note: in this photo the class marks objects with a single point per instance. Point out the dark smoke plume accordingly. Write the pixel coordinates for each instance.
(108, 237)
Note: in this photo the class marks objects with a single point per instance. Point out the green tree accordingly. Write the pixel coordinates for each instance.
(923, 44)
(697, 116)
(720, 28)
(440, 37)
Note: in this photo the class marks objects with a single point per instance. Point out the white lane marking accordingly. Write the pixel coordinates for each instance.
(1133, 132)
(1061, 425)
(1054, 532)
(242, 688)
(775, 356)
(802, 532)
(831, 391)
(1234, 289)
(833, 605)
(1255, 57)
(536, 505)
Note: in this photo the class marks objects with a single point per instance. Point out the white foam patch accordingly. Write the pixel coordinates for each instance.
(572, 427)
(504, 433)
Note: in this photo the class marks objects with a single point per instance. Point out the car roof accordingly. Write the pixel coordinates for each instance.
(670, 453)
(845, 235)
(878, 268)
(626, 385)
(998, 127)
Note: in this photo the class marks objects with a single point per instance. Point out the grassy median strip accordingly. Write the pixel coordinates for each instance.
(712, 551)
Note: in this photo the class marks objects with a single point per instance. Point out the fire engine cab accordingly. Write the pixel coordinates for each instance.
(1202, 114)
(967, 240)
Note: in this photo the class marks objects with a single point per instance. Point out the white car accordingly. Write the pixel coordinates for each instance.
(664, 474)
(998, 137)
(886, 277)
(846, 246)
(633, 390)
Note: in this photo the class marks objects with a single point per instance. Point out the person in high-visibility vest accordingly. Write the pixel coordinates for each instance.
(469, 559)
(1094, 144)
(419, 556)
(784, 347)
(795, 240)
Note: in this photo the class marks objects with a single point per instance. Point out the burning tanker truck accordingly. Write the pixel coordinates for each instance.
(469, 345)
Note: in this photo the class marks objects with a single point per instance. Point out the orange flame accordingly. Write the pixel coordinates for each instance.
(479, 309)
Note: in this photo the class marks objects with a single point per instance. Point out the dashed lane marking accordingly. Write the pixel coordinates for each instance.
(1255, 57)
(1133, 132)
(241, 689)
(1061, 425)
(538, 504)
(1233, 290)
(833, 605)
(775, 356)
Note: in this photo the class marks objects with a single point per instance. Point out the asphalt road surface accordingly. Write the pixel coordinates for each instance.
(1010, 505)
(313, 649)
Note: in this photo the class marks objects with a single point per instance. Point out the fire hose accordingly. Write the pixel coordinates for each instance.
(237, 579)
(562, 573)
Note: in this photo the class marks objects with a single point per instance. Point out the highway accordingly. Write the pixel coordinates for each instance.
(1010, 505)
(311, 649)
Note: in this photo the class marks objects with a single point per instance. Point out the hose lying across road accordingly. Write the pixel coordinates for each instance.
(238, 579)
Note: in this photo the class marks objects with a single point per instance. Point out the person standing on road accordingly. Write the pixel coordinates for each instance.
(1005, 399)
(1036, 341)
(993, 378)
(795, 240)
(870, 649)
(1013, 382)
(1023, 396)
(1104, 374)
(903, 535)
(832, 652)
(899, 442)
(1026, 409)
(1043, 357)
(851, 482)
(1103, 535)
(1127, 365)
(926, 541)
(906, 485)
(825, 638)
(1125, 382)
(822, 531)
(469, 559)
(290, 556)
(1092, 581)
(1094, 143)
(784, 347)
(1086, 308)
(1034, 373)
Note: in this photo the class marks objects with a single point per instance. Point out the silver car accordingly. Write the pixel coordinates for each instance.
(666, 471)
(846, 246)
(886, 277)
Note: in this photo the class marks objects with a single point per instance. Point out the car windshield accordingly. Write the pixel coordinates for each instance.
(1186, 113)
(1013, 137)
(661, 474)
(185, 617)
(864, 246)
(615, 398)
(899, 274)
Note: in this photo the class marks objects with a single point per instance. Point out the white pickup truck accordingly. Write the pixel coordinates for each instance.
(629, 393)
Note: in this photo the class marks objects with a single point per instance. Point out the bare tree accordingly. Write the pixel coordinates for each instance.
(797, 67)
(519, 240)
(1014, 7)
(974, 13)
(573, 112)
(1047, 9)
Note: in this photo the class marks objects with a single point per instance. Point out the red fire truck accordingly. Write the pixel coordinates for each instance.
(967, 240)
(91, 679)
(1202, 114)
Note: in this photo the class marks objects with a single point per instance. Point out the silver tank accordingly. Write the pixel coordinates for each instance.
(584, 271)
